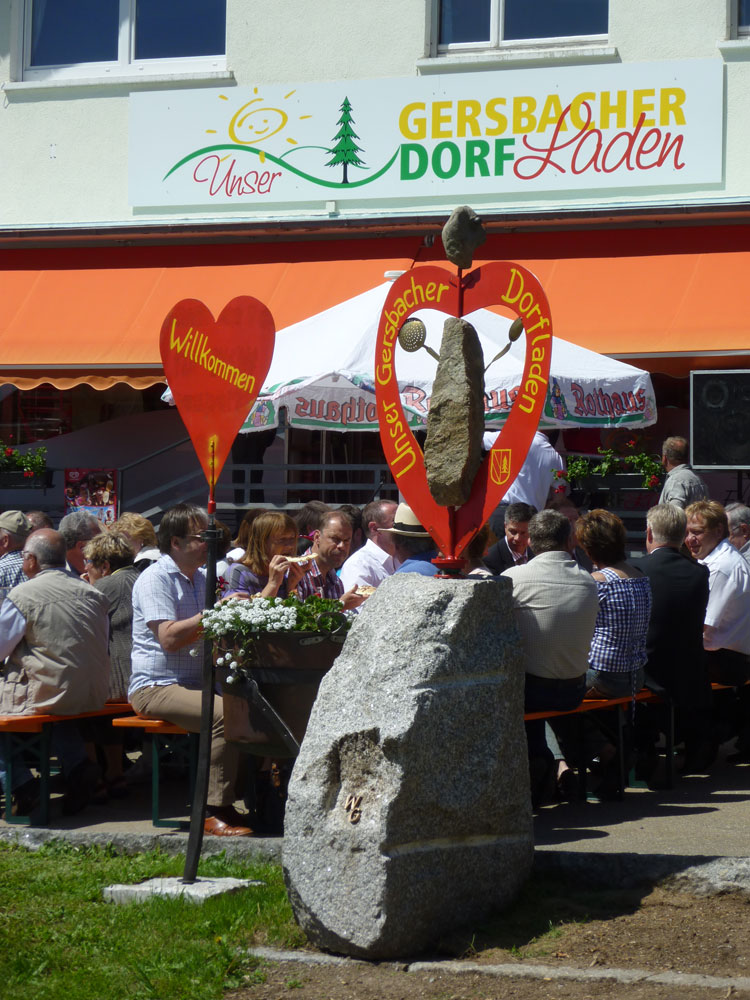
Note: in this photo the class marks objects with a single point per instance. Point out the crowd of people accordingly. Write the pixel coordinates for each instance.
(90, 613)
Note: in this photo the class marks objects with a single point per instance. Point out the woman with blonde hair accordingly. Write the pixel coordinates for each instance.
(239, 544)
(265, 569)
(108, 564)
(142, 536)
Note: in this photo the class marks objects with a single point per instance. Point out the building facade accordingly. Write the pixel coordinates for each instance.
(183, 149)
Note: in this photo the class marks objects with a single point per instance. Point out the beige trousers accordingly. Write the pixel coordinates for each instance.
(182, 706)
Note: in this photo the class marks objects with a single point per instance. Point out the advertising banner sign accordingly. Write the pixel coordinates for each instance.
(483, 136)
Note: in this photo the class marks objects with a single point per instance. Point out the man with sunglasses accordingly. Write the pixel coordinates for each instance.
(167, 677)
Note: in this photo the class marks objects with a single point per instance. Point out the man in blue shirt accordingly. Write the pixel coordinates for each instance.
(166, 682)
(414, 546)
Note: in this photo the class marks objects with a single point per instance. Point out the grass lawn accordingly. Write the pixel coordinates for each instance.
(59, 938)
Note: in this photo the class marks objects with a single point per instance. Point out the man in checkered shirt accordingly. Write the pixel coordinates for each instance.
(14, 530)
(329, 550)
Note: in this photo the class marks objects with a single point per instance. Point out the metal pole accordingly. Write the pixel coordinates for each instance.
(198, 810)
(200, 793)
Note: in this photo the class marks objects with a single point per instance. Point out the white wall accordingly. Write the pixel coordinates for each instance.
(65, 147)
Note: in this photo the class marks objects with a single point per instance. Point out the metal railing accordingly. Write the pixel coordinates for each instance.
(264, 485)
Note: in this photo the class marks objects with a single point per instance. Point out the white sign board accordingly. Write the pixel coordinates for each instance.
(533, 133)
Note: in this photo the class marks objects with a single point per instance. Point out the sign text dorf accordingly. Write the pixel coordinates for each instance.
(463, 136)
(498, 283)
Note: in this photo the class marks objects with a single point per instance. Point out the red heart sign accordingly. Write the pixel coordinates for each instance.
(215, 370)
(430, 287)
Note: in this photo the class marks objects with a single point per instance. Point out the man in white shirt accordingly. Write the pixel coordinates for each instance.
(376, 560)
(533, 483)
(739, 528)
(726, 629)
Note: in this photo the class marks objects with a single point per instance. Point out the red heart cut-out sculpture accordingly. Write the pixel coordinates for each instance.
(429, 287)
(215, 369)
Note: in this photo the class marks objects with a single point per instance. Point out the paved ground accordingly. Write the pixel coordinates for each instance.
(704, 817)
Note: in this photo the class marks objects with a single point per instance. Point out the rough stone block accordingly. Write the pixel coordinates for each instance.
(409, 810)
(455, 423)
(462, 234)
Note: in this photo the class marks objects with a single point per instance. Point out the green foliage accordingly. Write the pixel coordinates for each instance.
(31, 463)
(611, 463)
(59, 938)
(318, 614)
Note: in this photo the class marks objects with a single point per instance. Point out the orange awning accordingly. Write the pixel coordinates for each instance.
(665, 300)
(93, 316)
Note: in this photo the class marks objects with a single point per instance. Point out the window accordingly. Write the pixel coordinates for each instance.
(76, 38)
(743, 17)
(472, 23)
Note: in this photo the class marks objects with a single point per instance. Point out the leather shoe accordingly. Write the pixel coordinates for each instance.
(226, 822)
(26, 798)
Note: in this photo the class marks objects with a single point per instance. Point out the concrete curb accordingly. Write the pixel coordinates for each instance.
(547, 972)
(259, 849)
(697, 874)
(701, 875)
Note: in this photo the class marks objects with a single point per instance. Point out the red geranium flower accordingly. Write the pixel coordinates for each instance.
(8, 451)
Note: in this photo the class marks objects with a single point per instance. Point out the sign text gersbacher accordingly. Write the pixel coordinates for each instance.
(521, 133)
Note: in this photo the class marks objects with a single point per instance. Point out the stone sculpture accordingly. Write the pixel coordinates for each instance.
(409, 811)
(455, 423)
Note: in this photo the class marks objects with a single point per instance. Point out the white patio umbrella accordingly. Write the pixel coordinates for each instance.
(323, 374)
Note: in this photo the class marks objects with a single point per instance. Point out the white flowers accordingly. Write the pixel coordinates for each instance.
(239, 620)
(236, 625)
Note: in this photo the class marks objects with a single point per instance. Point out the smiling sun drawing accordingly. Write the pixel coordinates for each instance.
(256, 121)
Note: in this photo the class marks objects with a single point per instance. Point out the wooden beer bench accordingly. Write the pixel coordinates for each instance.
(620, 706)
(167, 739)
(30, 736)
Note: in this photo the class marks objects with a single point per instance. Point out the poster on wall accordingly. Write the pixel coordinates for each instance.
(92, 490)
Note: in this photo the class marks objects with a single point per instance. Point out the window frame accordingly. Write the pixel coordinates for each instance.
(739, 30)
(124, 67)
(498, 44)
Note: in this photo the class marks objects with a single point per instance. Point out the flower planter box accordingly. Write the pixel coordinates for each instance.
(14, 479)
(267, 714)
(609, 491)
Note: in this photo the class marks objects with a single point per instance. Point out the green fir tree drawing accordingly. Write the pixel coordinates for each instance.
(345, 149)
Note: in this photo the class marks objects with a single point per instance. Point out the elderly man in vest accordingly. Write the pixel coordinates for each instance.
(54, 631)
